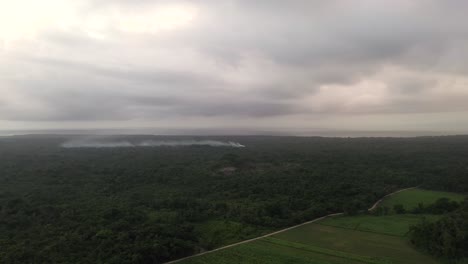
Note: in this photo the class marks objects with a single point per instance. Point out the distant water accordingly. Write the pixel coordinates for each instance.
(222, 132)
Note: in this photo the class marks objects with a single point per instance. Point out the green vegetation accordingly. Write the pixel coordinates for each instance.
(353, 239)
(151, 205)
(356, 242)
(326, 251)
(265, 252)
(411, 199)
(317, 243)
(397, 225)
(216, 232)
(446, 238)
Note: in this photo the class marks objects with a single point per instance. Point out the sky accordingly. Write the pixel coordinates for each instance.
(270, 65)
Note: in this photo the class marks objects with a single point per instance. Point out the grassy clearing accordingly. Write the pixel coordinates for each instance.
(411, 198)
(268, 252)
(396, 225)
(369, 244)
(316, 243)
(326, 251)
(336, 240)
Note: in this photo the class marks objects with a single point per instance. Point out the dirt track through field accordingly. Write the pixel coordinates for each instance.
(379, 201)
(283, 230)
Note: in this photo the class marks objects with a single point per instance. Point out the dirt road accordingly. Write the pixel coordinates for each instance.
(283, 230)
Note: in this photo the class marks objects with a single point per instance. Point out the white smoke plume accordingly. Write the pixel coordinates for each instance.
(175, 143)
(149, 143)
(95, 144)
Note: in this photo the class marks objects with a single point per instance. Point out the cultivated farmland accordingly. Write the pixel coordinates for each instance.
(396, 225)
(317, 243)
(340, 239)
(411, 198)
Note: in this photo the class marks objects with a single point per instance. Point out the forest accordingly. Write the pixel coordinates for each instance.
(155, 204)
(446, 238)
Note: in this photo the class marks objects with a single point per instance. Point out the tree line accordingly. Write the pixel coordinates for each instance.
(446, 238)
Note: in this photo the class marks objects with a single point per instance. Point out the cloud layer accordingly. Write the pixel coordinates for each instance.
(376, 65)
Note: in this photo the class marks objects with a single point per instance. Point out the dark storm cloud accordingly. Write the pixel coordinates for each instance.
(154, 60)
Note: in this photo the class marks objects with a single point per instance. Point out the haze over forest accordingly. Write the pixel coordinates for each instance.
(235, 67)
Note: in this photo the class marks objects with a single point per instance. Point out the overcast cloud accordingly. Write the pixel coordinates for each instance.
(265, 64)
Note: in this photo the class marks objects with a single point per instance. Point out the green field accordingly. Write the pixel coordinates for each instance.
(411, 198)
(341, 239)
(396, 225)
(275, 251)
(317, 243)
